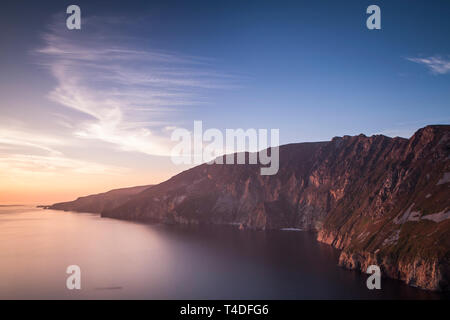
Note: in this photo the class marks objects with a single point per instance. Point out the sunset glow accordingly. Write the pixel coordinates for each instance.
(86, 111)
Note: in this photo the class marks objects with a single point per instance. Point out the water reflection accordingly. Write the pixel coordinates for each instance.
(126, 260)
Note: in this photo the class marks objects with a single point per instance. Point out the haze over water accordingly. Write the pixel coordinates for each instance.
(126, 260)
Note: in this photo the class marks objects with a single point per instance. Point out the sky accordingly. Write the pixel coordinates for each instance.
(86, 111)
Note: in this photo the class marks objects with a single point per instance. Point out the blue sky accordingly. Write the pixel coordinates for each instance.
(104, 98)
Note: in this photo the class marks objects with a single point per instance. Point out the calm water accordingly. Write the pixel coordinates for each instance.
(125, 260)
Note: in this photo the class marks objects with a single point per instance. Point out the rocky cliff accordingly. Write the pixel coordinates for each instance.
(381, 200)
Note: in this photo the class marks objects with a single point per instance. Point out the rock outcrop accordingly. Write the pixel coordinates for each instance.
(97, 203)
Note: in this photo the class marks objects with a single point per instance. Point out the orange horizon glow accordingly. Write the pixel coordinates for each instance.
(59, 189)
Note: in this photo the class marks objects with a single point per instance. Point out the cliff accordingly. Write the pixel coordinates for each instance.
(380, 200)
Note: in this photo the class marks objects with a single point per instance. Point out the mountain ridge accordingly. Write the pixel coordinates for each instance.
(96, 203)
(380, 200)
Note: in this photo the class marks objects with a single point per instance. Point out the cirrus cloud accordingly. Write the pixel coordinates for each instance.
(436, 64)
(125, 93)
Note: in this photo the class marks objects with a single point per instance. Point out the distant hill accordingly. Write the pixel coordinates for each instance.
(99, 202)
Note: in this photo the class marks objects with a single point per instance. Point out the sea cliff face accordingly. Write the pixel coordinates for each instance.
(381, 200)
(426, 273)
(403, 222)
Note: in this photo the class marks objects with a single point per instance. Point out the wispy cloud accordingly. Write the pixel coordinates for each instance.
(31, 140)
(16, 165)
(125, 93)
(32, 153)
(115, 100)
(437, 64)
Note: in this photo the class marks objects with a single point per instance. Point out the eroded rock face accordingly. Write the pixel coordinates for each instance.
(426, 273)
(368, 196)
(400, 221)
